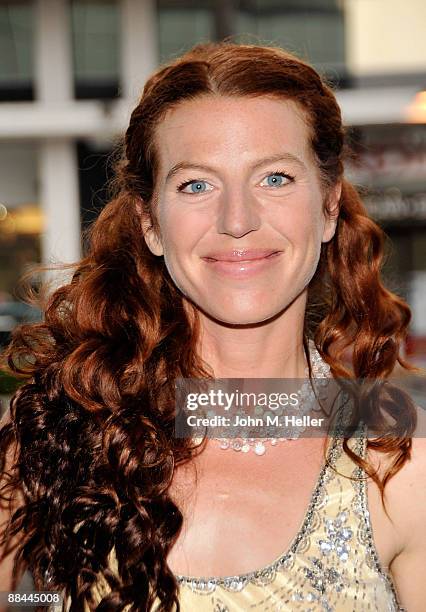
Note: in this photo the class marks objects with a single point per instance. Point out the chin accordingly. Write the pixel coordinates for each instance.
(236, 316)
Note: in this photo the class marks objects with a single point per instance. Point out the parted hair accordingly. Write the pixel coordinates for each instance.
(93, 420)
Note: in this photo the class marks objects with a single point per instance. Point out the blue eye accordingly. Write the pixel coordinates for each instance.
(278, 179)
(194, 187)
(274, 180)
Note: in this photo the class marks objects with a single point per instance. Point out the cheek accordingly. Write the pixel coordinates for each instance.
(180, 232)
(173, 246)
(171, 226)
(303, 224)
(182, 227)
(304, 230)
(314, 221)
(172, 253)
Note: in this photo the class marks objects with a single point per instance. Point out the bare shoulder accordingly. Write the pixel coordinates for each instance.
(405, 497)
(405, 492)
(407, 489)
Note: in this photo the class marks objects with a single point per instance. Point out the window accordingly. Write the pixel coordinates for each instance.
(96, 41)
(181, 25)
(313, 29)
(16, 42)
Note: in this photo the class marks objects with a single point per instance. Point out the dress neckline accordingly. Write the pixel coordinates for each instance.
(238, 581)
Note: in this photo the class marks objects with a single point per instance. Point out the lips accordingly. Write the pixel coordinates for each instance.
(242, 264)
(240, 255)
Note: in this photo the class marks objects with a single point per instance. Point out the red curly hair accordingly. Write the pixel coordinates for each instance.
(94, 421)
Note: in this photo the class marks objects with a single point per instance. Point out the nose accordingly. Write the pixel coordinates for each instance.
(238, 214)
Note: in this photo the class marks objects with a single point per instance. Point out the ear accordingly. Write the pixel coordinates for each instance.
(332, 214)
(152, 239)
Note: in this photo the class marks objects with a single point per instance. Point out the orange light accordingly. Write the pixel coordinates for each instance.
(26, 219)
(416, 111)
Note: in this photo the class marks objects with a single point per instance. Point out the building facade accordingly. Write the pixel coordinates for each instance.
(71, 72)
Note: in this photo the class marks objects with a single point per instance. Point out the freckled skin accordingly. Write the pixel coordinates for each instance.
(250, 327)
(253, 327)
(238, 207)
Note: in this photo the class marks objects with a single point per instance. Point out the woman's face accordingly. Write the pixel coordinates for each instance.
(239, 206)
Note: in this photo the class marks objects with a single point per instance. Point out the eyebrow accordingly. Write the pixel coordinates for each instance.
(288, 157)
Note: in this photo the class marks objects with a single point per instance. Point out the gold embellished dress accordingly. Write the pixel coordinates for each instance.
(332, 564)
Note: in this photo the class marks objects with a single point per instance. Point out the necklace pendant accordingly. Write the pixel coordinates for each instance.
(236, 444)
(308, 401)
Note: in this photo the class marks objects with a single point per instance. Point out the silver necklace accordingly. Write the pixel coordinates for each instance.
(308, 401)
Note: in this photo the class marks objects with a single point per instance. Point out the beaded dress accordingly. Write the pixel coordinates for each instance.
(332, 564)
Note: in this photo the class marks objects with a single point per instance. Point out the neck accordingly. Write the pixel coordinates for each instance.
(271, 349)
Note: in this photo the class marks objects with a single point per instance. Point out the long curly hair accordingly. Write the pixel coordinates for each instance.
(93, 422)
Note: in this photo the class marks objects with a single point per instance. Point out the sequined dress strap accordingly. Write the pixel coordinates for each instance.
(332, 563)
(346, 558)
(266, 574)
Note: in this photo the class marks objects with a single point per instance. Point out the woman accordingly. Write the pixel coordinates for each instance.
(234, 248)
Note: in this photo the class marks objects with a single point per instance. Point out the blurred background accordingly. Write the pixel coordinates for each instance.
(72, 70)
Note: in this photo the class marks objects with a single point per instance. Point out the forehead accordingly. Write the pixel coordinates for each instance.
(240, 128)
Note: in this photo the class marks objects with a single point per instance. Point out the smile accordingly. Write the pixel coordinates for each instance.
(243, 268)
